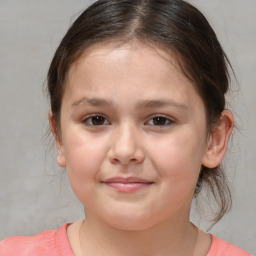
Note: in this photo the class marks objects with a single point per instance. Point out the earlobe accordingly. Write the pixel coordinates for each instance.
(61, 161)
(218, 140)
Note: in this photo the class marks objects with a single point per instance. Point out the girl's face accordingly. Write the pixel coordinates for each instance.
(133, 135)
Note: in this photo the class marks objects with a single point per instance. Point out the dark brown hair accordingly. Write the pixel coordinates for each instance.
(172, 24)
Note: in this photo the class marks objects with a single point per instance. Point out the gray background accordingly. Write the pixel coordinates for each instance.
(34, 195)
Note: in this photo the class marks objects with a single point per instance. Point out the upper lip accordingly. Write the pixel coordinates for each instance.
(126, 180)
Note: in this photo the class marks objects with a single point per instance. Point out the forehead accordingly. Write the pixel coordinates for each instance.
(134, 54)
(136, 63)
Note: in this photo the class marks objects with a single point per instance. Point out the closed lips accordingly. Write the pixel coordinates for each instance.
(130, 184)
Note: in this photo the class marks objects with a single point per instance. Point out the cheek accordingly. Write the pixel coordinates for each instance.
(84, 156)
(179, 157)
(83, 165)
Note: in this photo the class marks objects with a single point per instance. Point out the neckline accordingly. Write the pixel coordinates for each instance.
(61, 241)
(63, 245)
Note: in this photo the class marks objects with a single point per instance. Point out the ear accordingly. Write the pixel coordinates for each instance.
(218, 140)
(61, 157)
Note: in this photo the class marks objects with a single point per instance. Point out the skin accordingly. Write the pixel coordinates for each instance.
(148, 125)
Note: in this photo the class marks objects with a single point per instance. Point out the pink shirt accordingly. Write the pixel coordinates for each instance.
(55, 243)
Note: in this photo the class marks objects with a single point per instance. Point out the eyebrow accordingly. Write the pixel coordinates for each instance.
(92, 101)
(161, 103)
(141, 104)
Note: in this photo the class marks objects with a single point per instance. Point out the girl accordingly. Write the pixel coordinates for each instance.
(138, 115)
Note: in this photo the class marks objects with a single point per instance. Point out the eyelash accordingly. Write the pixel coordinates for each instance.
(164, 121)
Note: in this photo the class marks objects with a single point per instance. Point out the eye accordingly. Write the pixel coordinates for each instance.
(96, 120)
(160, 121)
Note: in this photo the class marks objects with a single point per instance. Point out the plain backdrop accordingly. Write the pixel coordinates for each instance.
(34, 194)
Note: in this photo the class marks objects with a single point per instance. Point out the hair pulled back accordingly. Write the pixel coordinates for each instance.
(173, 24)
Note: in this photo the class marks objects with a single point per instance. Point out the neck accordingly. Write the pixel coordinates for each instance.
(168, 238)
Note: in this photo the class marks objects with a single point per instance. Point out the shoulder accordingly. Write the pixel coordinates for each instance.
(41, 244)
(223, 248)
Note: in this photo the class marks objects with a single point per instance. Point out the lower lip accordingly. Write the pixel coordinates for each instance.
(128, 187)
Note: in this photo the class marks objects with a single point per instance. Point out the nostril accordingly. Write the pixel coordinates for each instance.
(118, 157)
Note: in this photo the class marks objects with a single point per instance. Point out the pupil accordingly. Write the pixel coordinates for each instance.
(159, 120)
(98, 120)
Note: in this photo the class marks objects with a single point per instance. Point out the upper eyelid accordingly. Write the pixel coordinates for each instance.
(92, 115)
(161, 115)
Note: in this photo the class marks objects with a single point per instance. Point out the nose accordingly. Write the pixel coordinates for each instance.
(126, 146)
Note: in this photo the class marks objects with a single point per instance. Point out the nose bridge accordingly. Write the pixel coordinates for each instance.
(126, 145)
(125, 139)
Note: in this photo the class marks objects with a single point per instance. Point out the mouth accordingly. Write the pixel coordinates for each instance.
(127, 185)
